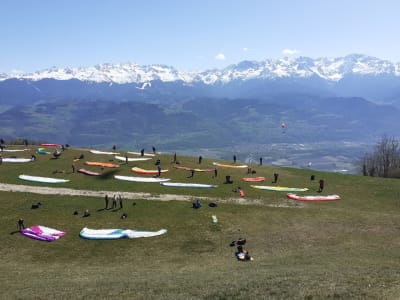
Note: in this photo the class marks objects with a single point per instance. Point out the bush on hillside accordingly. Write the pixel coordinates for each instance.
(384, 161)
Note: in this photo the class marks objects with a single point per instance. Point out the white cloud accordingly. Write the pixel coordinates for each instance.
(290, 51)
(245, 49)
(17, 72)
(220, 56)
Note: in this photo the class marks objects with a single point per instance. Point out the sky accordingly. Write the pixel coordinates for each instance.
(191, 35)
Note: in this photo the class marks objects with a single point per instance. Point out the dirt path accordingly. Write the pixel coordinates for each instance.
(128, 195)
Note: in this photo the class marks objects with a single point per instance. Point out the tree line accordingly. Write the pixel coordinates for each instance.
(384, 160)
(19, 141)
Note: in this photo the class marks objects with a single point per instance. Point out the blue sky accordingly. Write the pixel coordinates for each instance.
(191, 34)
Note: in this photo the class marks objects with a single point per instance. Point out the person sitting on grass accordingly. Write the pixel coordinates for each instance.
(196, 204)
(242, 254)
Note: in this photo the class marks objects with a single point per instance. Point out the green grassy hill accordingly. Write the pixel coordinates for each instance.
(347, 249)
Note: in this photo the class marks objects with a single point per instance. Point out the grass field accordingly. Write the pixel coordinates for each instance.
(347, 249)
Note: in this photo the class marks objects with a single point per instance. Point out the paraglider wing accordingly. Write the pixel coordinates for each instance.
(283, 127)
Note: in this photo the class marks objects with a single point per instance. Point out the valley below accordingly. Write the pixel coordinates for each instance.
(338, 156)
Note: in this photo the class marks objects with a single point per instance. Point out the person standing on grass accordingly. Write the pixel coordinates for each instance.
(106, 199)
(234, 159)
(159, 170)
(321, 185)
(114, 202)
(191, 173)
(21, 224)
(276, 176)
(249, 169)
(200, 159)
(260, 161)
(120, 201)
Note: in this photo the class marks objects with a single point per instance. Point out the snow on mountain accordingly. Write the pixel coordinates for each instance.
(332, 69)
(4, 76)
(113, 73)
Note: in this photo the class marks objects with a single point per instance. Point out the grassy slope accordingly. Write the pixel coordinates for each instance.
(345, 249)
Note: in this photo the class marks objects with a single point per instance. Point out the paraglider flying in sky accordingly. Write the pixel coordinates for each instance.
(283, 126)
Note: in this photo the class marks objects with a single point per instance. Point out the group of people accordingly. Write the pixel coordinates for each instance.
(241, 253)
(107, 202)
(235, 158)
(114, 201)
(321, 183)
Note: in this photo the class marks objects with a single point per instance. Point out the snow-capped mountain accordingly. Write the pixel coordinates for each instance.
(111, 73)
(331, 69)
(351, 76)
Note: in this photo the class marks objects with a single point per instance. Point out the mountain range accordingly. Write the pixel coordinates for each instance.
(350, 76)
(332, 69)
(354, 98)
